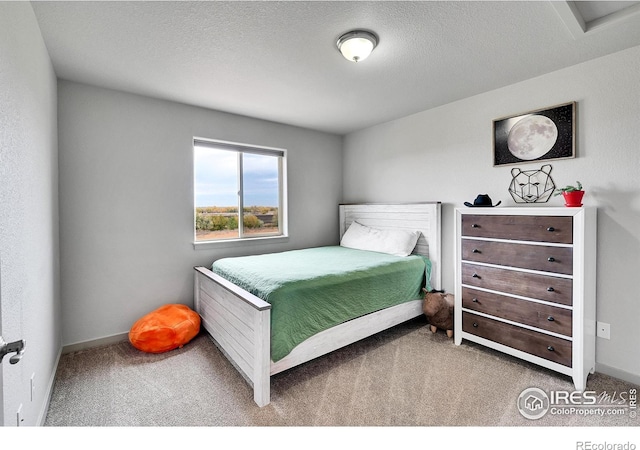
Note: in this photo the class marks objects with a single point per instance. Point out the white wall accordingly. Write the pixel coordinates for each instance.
(446, 154)
(29, 252)
(126, 201)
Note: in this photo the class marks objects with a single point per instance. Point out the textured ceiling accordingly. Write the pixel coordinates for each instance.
(278, 60)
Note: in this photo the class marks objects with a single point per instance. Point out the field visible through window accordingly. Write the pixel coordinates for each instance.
(221, 222)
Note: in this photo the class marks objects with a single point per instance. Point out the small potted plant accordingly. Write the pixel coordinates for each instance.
(572, 194)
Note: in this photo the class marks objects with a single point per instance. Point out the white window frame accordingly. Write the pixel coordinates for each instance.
(241, 149)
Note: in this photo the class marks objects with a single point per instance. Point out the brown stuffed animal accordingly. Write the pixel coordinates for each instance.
(438, 307)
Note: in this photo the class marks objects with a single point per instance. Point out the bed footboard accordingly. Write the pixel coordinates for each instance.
(240, 323)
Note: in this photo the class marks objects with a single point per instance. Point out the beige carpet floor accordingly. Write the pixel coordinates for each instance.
(405, 376)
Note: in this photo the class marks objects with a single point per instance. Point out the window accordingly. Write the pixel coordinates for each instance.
(234, 181)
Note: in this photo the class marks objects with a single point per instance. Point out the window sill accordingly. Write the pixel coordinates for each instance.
(205, 245)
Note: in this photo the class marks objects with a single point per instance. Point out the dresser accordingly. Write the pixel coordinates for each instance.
(525, 284)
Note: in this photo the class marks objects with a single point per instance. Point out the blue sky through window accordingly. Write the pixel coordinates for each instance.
(216, 173)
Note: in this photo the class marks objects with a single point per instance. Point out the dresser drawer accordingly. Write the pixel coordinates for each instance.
(548, 347)
(521, 228)
(541, 287)
(523, 256)
(546, 317)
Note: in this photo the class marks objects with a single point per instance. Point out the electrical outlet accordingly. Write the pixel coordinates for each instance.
(33, 386)
(19, 418)
(604, 330)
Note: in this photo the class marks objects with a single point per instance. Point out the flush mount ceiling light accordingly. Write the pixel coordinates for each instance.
(356, 45)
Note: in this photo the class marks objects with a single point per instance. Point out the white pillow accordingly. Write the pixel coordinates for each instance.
(393, 242)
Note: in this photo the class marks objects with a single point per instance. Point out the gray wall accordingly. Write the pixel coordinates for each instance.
(446, 154)
(126, 201)
(29, 252)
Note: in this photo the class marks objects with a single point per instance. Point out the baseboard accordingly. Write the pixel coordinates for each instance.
(618, 373)
(114, 339)
(42, 417)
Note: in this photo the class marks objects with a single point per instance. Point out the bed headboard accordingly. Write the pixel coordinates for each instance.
(423, 217)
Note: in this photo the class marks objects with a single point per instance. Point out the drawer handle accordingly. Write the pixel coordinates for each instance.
(551, 229)
(475, 250)
(550, 289)
(475, 275)
(475, 300)
(475, 324)
(475, 225)
(551, 259)
(550, 319)
(550, 348)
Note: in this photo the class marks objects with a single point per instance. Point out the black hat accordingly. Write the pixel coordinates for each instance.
(482, 200)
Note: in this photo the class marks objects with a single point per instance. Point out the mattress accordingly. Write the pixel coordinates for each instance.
(314, 289)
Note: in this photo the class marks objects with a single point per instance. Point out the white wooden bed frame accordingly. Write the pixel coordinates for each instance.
(240, 322)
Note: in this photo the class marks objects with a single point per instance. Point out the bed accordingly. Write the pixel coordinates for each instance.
(248, 311)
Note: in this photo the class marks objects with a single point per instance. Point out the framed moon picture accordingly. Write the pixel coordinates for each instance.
(535, 136)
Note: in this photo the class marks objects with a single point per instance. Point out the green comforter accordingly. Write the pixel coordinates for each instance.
(314, 289)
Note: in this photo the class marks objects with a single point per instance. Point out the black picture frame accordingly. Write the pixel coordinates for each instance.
(534, 136)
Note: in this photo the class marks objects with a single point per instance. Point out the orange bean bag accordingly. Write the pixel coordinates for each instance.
(166, 328)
